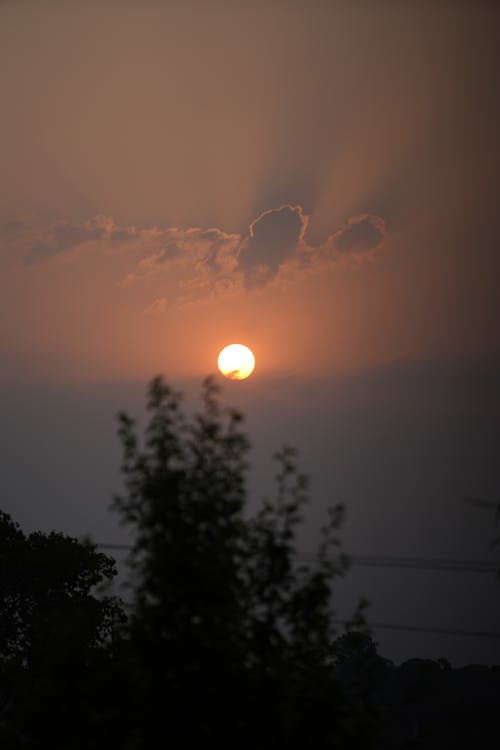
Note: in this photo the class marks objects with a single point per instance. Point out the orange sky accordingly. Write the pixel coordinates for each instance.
(354, 143)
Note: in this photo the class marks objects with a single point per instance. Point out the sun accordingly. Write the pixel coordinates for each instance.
(236, 362)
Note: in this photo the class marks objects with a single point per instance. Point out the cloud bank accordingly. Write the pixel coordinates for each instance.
(206, 262)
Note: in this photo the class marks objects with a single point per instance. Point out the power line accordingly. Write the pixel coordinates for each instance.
(428, 629)
(400, 562)
(422, 563)
(386, 561)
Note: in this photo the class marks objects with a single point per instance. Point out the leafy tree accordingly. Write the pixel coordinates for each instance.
(57, 637)
(230, 637)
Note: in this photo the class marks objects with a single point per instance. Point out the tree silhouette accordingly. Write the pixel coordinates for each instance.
(57, 638)
(230, 637)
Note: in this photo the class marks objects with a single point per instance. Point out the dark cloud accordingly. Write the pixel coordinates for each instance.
(63, 237)
(9, 230)
(276, 242)
(170, 251)
(360, 234)
(215, 259)
(273, 239)
(40, 251)
(122, 234)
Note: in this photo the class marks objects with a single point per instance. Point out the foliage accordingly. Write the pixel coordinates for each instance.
(56, 635)
(231, 636)
(229, 640)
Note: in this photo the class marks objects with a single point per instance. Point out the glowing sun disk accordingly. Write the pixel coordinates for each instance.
(236, 362)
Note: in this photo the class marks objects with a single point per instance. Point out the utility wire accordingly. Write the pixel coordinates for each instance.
(386, 561)
(430, 629)
(427, 629)
(408, 563)
(400, 562)
(422, 563)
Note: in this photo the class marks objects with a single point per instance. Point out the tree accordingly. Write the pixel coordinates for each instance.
(57, 637)
(230, 636)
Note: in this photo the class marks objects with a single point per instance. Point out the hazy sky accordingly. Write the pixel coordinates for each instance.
(318, 180)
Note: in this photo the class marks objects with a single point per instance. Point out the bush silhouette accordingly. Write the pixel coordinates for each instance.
(230, 637)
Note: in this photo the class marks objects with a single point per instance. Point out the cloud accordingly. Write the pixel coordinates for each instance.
(360, 239)
(9, 230)
(277, 248)
(189, 265)
(363, 233)
(205, 255)
(273, 239)
(63, 237)
(158, 307)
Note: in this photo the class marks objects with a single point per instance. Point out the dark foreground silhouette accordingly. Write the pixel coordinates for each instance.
(227, 641)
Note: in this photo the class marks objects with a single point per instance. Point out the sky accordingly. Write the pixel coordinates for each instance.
(316, 180)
